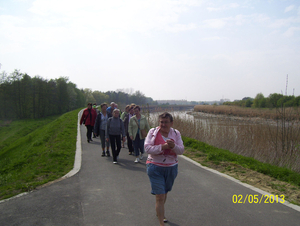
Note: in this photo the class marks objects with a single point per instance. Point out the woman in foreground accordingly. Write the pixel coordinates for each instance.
(163, 144)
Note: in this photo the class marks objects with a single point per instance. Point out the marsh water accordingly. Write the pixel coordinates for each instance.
(213, 123)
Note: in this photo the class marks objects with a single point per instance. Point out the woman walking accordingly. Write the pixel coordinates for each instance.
(114, 130)
(138, 125)
(88, 118)
(100, 128)
(163, 144)
(126, 124)
(123, 116)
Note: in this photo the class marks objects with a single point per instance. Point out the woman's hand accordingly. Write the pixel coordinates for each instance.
(131, 137)
(107, 139)
(168, 145)
(165, 146)
(171, 144)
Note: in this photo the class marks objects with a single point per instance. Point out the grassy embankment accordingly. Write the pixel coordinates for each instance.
(34, 152)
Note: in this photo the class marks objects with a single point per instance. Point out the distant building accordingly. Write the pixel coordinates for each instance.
(178, 102)
(224, 100)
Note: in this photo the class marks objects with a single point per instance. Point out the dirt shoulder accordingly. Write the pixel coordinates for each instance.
(259, 180)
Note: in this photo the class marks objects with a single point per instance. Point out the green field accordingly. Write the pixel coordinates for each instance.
(34, 152)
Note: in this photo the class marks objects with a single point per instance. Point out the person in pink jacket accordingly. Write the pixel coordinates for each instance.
(162, 145)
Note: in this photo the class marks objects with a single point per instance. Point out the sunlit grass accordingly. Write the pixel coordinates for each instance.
(35, 152)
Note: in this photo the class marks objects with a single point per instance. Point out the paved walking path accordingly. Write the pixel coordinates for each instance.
(103, 193)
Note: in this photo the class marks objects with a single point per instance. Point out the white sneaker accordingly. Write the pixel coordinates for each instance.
(141, 156)
(136, 160)
(115, 162)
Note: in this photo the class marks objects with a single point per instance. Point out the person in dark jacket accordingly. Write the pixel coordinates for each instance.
(88, 118)
(97, 111)
(126, 122)
(114, 131)
(100, 127)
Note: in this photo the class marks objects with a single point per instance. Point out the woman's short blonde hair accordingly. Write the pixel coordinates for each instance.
(118, 110)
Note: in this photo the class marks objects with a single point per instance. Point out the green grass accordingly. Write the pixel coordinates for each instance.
(34, 152)
(12, 131)
(217, 155)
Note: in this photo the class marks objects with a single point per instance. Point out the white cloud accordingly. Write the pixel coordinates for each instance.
(215, 23)
(239, 20)
(212, 38)
(291, 31)
(12, 27)
(260, 18)
(8, 20)
(223, 8)
(23, 36)
(285, 22)
(131, 15)
(289, 8)
(181, 27)
(94, 22)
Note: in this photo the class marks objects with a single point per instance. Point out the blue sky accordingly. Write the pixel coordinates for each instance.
(183, 49)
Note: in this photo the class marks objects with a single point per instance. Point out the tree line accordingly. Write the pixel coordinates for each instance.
(120, 96)
(23, 97)
(274, 100)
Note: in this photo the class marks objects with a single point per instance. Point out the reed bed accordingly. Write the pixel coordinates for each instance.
(265, 113)
(264, 142)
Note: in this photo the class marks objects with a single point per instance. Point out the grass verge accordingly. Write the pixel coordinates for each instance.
(34, 152)
(270, 178)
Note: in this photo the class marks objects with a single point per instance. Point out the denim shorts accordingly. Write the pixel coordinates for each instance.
(161, 178)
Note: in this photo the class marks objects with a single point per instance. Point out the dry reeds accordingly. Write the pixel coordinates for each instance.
(246, 112)
(265, 142)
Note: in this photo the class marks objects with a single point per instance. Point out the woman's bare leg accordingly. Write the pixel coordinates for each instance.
(160, 207)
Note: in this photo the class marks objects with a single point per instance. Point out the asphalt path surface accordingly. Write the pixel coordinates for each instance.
(103, 193)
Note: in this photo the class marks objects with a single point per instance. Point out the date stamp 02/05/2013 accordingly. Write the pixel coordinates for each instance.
(258, 199)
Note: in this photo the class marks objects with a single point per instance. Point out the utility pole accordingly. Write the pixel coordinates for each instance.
(287, 78)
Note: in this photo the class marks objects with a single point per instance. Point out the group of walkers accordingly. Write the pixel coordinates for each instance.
(162, 144)
(114, 128)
